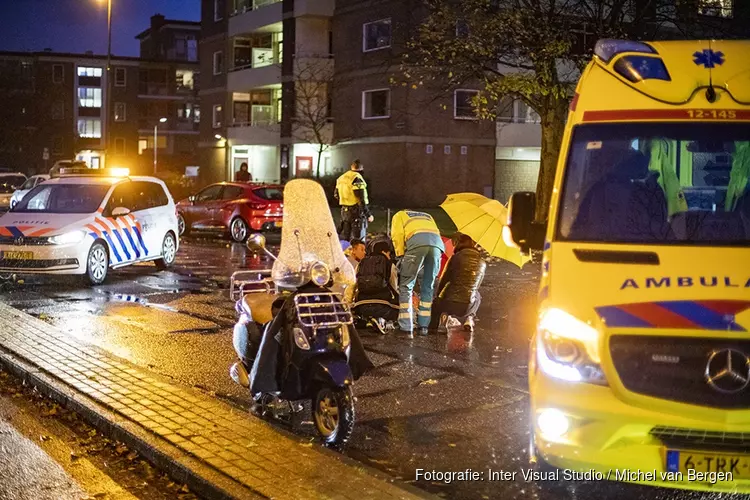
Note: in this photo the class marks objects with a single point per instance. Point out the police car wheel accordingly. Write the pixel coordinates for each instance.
(97, 263)
(238, 230)
(168, 252)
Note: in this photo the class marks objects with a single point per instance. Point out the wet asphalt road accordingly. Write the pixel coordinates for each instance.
(446, 403)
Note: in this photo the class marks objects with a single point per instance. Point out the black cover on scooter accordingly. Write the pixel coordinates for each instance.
(272, 361)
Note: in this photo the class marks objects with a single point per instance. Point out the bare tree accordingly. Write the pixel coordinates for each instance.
(313, 85)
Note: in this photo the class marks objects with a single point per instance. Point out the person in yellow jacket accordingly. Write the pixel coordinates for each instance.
(351, 191)
(416, 238)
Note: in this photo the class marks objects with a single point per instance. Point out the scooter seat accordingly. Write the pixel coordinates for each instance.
(260, 305)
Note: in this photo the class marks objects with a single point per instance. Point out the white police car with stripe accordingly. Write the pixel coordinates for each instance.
(89, 224)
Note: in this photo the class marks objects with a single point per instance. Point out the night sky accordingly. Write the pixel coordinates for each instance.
(81, 25)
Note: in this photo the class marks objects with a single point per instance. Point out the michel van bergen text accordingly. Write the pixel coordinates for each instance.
(529, 475)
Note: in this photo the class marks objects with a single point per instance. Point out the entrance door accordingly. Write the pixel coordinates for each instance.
(303, 166)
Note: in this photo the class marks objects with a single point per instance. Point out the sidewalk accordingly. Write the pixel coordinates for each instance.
(264, 461)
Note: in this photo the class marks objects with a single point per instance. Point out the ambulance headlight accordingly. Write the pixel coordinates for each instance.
(568, 348)
(70, 238)
(320, 274)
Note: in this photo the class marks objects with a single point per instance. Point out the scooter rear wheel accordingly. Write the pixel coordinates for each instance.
(333, 414)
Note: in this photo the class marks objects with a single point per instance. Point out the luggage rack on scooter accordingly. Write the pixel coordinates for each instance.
(322, 310)
(255, 281)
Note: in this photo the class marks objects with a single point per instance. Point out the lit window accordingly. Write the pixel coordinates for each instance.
(89, 97)
(462, 104)
(90, 128)
(120, 77)
(218, 115)
(218, 63)
(95, 72)
(376, 103)
(376, 35)
(196, 113)
(184, 79)
(120, 112)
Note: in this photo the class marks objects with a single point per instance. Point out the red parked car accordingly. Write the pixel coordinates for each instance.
(234, 207)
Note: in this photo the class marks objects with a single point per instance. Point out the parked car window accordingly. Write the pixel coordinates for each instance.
(30, 183)
(232, 193)
(270, 194)
(208, 194)
(9, 183)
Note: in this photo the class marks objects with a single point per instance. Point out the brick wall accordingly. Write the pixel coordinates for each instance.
(514, 175)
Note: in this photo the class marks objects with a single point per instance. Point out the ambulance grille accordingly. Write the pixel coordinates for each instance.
(674, 368)
(693, 439)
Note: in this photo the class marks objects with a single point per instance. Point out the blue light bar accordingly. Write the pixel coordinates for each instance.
(606, 49)
(638, 68)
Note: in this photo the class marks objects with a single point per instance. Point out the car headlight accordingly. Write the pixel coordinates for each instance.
(301, 339)
(320, 274)
(68, 238)
(568, 348)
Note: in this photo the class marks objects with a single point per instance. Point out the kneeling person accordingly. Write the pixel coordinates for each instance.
(377, 282)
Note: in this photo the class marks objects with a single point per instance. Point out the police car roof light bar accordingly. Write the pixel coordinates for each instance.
(607, 48)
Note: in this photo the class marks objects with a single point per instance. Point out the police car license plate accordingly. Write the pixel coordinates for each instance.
(707, 462)
(17, 255)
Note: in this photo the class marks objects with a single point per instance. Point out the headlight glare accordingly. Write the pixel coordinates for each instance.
(68, 238)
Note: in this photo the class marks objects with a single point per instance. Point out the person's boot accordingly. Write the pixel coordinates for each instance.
(469, 324)
(423, 331)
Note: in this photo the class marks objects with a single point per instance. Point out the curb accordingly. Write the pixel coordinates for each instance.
(201, 479)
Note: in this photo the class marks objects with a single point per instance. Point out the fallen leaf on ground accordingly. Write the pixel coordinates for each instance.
(429, 381)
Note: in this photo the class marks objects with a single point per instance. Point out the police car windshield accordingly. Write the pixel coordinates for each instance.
(9, 183)
(658, 183)
(63, 199)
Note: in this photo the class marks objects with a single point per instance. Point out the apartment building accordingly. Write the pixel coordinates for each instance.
(255, 55)
(54, 106)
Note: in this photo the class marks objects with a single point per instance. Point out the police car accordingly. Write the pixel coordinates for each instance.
(87, 224)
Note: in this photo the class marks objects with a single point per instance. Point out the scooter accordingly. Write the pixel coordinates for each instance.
(305, 349)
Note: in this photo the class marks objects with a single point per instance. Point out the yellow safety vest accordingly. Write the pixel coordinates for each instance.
(406, 224)
(349, 182)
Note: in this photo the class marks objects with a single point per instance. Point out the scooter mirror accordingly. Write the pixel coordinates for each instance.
(256, 242)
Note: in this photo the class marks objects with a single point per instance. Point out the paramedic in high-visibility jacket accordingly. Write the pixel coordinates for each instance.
(351, 191)
(416, 237)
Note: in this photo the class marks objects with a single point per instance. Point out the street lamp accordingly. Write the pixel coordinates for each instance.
(156, 140)
(107, 120)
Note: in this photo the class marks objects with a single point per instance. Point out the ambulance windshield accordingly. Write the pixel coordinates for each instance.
(658, 183)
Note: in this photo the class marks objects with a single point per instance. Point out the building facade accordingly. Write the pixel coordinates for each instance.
(258, 57)
(55, 106)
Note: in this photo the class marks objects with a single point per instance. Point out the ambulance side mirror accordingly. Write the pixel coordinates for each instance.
(525, 232)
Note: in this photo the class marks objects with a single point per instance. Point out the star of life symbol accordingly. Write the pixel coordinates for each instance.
(708, 58)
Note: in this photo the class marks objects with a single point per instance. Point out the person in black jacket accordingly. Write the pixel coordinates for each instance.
(457, 294)
(377, 285)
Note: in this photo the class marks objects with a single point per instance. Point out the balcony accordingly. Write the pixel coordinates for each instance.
(254, 124)
(241, 78)
(253, 15)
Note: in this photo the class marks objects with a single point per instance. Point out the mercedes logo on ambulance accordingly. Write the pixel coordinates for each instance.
(728, 371)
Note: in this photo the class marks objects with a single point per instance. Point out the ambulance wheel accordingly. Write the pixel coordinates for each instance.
(168, 252)
(97, 263)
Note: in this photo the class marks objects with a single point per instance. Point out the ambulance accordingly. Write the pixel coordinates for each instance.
(639, 364)
(88, 223)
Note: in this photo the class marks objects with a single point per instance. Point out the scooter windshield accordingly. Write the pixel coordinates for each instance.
(309, 236)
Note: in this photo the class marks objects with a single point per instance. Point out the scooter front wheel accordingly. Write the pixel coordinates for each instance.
(333, 414)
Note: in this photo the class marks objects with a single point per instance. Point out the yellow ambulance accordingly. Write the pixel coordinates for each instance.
(640, 363)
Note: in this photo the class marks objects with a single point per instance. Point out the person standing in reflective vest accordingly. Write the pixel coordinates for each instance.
(416, 238)
(351, 191)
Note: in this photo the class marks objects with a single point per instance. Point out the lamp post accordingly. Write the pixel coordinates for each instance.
(156, 140)
(108, 100)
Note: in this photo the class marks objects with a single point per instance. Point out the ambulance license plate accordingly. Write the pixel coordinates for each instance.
(706, 462)
(17, 255)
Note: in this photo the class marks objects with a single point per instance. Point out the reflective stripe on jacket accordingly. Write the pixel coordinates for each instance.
(411, 229)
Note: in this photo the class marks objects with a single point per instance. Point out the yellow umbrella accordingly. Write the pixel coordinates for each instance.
(483, 219)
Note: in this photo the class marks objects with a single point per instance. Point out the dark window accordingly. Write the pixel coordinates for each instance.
(122, 196)
(120, 77)
(146, 195)
(120, 112)
(270, 194)
(463, 108)
(58, 110)
(376, 103)
(58, 73)
(209, 194)
(376, 35)
(232, 193)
